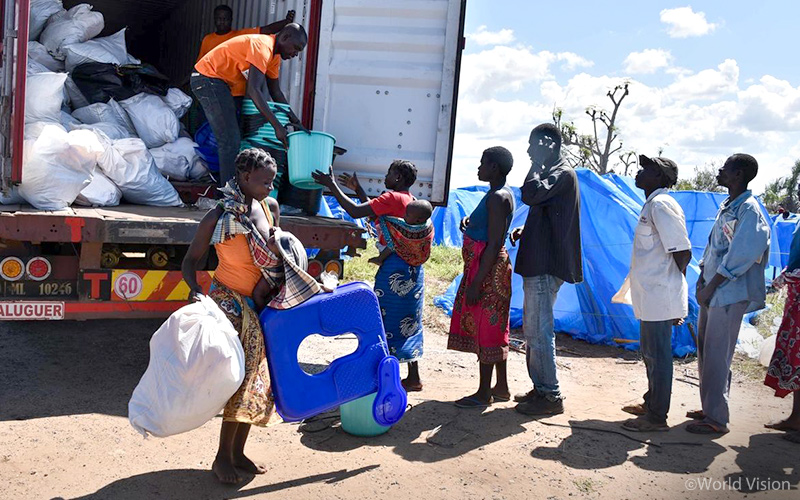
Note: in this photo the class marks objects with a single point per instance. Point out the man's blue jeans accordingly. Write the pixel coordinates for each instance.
(540, 296)
(655, 341)
(219, 106)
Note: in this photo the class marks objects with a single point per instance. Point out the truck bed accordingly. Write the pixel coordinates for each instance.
(137, 224)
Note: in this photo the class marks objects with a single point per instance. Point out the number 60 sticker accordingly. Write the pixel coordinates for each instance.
(128, 286)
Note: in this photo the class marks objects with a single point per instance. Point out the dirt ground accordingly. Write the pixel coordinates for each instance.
(64, 389)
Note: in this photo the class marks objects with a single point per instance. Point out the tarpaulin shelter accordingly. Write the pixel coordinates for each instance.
(610, 208)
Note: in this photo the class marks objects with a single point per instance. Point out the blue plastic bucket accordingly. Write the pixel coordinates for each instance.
(357, 418)
(309, 152)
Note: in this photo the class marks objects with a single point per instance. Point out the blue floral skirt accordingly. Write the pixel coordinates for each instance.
(401, 293)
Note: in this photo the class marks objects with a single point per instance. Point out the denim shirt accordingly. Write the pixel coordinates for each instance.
(738, 248)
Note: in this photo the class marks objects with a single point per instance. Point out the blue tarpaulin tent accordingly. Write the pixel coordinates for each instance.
(784, 230)
(610, 207)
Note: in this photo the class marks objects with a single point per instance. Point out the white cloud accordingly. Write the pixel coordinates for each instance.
(503, 69)
(709, 83)
(647, 61)
(697, 118)
(573, 61)
(683, 22)
(485, 37)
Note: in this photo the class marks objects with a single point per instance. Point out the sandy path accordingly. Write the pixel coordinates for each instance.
(64, 389)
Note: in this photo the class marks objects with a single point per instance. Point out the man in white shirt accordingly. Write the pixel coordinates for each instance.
(659, 294)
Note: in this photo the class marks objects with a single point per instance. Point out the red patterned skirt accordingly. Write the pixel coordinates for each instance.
(783, 373)
(482, 328)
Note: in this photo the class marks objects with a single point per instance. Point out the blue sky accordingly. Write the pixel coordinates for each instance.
(707, 78)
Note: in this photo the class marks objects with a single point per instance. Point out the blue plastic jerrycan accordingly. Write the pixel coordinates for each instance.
(351, 308)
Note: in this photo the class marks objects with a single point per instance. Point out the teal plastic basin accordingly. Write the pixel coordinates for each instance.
(357, 418)
(307, 153)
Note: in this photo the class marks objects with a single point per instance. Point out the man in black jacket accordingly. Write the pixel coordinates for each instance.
(549, 255)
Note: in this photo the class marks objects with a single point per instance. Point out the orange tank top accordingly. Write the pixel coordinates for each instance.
(236, 269)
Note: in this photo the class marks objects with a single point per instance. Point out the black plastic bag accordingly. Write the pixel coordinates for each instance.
(99, 82)
(144, 78)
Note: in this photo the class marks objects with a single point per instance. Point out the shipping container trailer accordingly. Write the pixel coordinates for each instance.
(379, 75)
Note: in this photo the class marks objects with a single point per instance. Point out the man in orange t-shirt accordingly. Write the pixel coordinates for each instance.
(223, 22)
(244, 65)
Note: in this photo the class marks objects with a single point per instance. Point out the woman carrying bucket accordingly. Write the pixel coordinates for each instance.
(399, 284)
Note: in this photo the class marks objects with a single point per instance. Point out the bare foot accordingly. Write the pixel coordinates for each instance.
(225, 471)
(247, 465)
(784, 425)
(411, 386)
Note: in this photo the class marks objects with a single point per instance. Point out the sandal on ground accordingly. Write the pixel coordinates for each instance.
(643, 424)
(792, 437)
(500, 398)
(411, 388)
(472, 402)
(638, 410)
(706, 428)
(696, 414)
(781, 426)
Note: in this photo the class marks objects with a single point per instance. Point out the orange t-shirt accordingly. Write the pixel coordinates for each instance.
(229, 60)
(236, 269)
(211, 40)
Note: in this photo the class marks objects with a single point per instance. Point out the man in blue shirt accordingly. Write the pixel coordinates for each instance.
(731, 284)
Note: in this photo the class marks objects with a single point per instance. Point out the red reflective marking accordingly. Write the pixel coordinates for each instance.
(96, 279)
(75, 224)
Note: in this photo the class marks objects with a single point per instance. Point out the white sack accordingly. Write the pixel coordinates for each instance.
(178, 102)
(196, 365)
(767, 350)
(37, 52)
(72, 95)
(110, 130)
(155, 123)
(109, 50)
(750, 341)
(101, 192)
(123, 117)
(44, 97)
(198, 169)
(68, 121)
(11, 197)
(176, 159)
(57, 166)
(34, 68)
(35, 129)
(40, 12)
(76, 25)
(110, 115)
(129, 164)
(75, 97)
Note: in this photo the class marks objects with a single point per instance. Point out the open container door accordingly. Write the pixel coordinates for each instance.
(386, 87)
(15, 15)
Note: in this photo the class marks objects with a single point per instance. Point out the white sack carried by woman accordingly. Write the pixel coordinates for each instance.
(196, 365)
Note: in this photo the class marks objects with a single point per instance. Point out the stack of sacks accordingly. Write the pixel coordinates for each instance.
(178, 159)
(130, 166)
(41, 11)
(72, 26)
(137, 141)
(111, 119)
